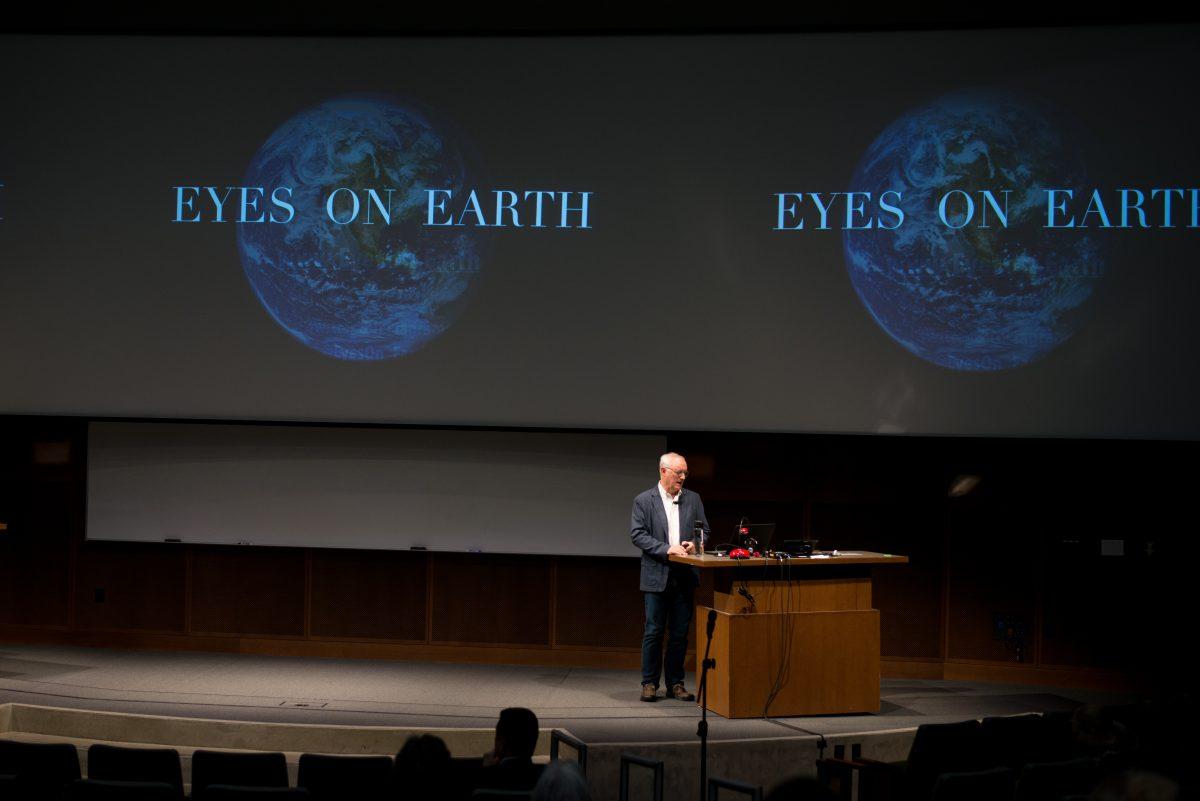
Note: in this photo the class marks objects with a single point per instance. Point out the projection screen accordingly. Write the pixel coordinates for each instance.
(962, 233)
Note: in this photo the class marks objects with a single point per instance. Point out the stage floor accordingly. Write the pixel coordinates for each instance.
(597, 706)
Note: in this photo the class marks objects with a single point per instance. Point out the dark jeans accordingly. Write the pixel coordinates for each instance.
(669, 611)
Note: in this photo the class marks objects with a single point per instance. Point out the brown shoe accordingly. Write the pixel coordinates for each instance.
(649, 692)
(680, 693)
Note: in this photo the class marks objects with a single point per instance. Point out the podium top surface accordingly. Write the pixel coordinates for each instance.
(820, 558)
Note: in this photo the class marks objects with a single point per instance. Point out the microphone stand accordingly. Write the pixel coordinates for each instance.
(702, 695)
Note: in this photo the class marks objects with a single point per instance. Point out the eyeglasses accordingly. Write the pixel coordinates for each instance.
(680, 473)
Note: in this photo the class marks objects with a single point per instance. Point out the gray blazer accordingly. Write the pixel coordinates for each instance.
(648, 530)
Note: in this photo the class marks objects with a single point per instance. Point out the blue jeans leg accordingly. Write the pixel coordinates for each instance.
(652, 637)
(668, 612)
(679, 621)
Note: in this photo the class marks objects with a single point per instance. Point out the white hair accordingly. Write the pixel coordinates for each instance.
(561, 781)
(669, 457)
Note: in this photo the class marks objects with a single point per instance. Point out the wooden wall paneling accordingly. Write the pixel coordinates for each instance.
(368, 594)
(551, 600)
(248, 591)
(908, 597)
(1114, 612)
(944, 587)
(992, 572)
(131, 587)
(33, 584)
(35, 572)
(491, 598)
(723, 517)
(597, 602)
(308, 593)
(189, 572)
(428, 598)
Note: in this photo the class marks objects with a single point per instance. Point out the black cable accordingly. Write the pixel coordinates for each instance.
(766, 577)
(785, 570)
(777, 684)
(785, 636)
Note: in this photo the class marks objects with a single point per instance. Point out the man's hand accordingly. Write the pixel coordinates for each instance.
(677, 550)
(689, 546)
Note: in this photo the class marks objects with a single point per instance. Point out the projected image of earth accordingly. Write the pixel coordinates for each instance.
(360, 291)
(973, 298)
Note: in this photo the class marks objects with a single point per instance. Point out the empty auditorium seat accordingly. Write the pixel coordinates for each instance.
(1015, 741)
(337, 777)
(224, 792)
(98, 790)
(237, 769)
(10, 787)
(937, 748)
(986, 785)
(37, 770)
(942, 748)
(121, 764)
(9, 757)
(466, 764)
(1052, 780)
(1060, 737)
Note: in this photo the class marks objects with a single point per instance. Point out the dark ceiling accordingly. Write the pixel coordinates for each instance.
(354, 18)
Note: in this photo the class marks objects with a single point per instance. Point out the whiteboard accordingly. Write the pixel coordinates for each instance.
(369, 488)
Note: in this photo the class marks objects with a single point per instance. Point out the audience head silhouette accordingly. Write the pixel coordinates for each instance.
(422, 768)
(516, 733)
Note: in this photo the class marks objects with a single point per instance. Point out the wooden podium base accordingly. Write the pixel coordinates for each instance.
(791, 637)
(829, 662)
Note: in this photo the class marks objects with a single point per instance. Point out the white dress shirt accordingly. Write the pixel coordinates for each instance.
(672, 510)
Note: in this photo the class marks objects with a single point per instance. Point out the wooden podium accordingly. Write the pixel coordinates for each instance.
(810, 638)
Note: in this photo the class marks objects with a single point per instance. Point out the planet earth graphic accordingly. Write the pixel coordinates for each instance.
(970, 297)
(367, 289)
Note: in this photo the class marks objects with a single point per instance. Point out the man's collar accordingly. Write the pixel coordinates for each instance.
(662, 492)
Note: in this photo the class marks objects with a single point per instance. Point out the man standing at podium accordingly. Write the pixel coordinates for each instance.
(663, 521)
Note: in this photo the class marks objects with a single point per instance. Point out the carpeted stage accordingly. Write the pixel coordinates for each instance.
(345, 706)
